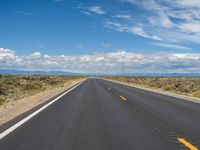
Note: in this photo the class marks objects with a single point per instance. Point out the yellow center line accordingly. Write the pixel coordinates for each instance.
(123, 98)
(187, 144)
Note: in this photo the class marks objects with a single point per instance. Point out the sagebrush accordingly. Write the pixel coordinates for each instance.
(14, 87)
(189, 86)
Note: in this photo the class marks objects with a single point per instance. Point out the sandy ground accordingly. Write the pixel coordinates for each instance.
(189, 98)
(12, 109)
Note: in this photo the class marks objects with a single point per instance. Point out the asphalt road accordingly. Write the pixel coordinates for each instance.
(102, 115)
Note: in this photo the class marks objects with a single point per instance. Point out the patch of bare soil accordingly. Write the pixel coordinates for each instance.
(12, 109)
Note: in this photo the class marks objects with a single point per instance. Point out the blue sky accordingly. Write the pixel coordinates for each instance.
(88, 35)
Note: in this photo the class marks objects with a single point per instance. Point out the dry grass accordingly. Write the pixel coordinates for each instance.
(16, 87)
(188, 86)
(14, 107)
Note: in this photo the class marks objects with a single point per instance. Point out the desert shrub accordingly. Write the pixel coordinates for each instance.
(2, 101)
(196, 94)
(168, 88)
(3, 89)
(54, 81)
(44, 78)
(181, 85)
(32, 86)
(14, 87)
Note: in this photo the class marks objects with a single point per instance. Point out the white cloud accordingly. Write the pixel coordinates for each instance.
(23, 13)
(140, 31)
(160, 17)
(166, 45)
(96, 9)
(137, 30)
(191, 27)
(173, 20)
(161, 20)
(60, 1)
(36, 54)
(128, 17)
(175, 17)
(86, 12)
(6, 53)
(134, 62)
(189, 3)
(184, 56)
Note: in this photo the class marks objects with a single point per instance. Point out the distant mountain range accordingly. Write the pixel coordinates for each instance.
(22, 72)
(162, 74)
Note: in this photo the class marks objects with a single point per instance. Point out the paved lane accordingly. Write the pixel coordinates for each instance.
(180, 117)
(101, 115)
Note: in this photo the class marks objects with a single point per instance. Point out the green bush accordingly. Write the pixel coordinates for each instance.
(2, 101)
(14, 87)
(168, 88)
(32, 86)
(182, 85)
(3, 89)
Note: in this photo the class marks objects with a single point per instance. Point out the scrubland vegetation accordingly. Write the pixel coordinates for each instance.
(15, 87)
(188, 86)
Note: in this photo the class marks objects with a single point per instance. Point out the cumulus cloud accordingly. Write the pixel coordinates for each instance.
(6, 53)
(97, 62)
(36, 54)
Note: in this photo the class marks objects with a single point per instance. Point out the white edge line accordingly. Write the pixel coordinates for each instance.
(149, 90)
(15, 126)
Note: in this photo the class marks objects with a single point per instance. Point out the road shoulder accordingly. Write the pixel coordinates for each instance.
(16, 110)
(187, 98)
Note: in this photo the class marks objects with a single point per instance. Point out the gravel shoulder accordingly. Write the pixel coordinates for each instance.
(11, 110)
(188, 98)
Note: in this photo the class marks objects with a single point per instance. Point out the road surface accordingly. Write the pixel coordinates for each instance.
(103, 115)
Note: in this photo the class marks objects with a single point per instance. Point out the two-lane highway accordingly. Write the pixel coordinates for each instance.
(103, 115)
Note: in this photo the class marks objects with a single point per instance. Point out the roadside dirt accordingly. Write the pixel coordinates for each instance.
(189, 98)
(12, 109)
